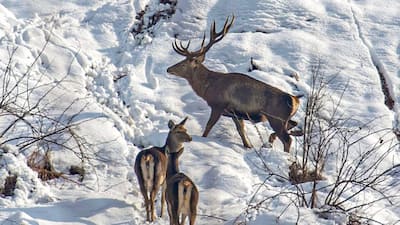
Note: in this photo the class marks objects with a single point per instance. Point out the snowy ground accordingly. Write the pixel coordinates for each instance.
(123, 79)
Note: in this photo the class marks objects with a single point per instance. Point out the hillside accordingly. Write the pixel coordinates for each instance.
(87, 81)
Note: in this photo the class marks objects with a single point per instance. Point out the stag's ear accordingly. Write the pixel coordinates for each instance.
(171, 124)
(183, 121)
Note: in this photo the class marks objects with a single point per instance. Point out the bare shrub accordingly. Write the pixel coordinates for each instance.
(359, 158)
(36, 122)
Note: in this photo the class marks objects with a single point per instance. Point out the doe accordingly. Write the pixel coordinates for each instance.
(151, 167)
(181, 193)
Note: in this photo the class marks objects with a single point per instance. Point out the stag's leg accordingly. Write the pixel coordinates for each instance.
(291, 124)
(281, 132)
(272, 138)
(240, 128)
(214, 117)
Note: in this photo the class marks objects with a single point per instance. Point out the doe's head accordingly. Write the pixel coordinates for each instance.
(178, 133)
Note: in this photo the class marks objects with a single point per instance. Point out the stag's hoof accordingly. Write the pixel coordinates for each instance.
(248, 146)
(296, 133)
(267, 145)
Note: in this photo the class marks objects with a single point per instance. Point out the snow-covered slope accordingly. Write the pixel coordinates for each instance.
(121, 77)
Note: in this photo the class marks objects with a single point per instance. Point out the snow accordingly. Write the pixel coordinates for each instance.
(130, 98)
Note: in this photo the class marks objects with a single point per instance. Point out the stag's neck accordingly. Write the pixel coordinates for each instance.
(200, 80)
(173, 164)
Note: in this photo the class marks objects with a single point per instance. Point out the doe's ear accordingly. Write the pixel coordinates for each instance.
(183, 121)
(171, 124)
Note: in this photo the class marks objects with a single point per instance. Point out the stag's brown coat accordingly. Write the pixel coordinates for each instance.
(236, 95)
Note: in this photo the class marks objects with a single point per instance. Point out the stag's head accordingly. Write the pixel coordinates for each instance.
(193, 60)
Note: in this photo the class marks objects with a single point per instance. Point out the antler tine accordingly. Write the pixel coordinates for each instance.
(175, 45)
(185, 48)
(214, 38)
(202, 44)
(217, 36)
(180, 49)
(212, 31)
(225, 29)
(204, 38)
(176, 48)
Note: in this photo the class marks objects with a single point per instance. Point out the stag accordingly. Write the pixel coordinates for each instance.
(151, 167)
(235, 95)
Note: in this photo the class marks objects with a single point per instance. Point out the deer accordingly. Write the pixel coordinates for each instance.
(151, 167)
(236, 95)
(181, 194)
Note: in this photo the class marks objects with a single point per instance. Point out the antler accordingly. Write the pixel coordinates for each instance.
(181, 49)
(214, 38)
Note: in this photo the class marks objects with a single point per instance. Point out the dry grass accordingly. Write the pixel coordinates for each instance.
(298, 174)
(43, 166)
